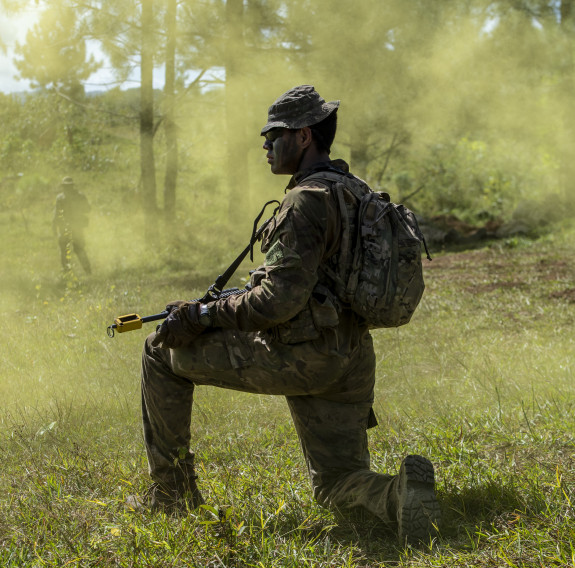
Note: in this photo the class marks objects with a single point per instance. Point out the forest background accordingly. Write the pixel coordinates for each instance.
(453, 107)
(456, 108)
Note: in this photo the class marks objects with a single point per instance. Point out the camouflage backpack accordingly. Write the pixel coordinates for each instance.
(383, 280)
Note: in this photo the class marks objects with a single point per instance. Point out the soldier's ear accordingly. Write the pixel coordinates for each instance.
(305, 137)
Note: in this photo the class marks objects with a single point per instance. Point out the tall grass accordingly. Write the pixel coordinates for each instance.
(481, 382)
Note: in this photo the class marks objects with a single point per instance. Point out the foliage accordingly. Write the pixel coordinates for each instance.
(462, 178)
(467, 103)
(45, 131)
(54, 56)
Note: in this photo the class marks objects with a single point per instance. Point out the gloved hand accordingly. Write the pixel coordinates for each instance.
(171, 306)
(180, 328)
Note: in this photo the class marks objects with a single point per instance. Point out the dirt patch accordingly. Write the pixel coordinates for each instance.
(552, 269)
(567, 295)
(458, 260)
(489, 269)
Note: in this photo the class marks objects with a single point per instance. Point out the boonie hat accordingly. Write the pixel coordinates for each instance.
(67, 181)
(299, 107)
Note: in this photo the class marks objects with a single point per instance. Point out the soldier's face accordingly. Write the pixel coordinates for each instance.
(282, 150)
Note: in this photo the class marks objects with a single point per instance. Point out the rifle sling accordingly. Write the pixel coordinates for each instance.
(223, 279)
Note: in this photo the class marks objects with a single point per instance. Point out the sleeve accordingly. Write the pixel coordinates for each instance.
(304, 233)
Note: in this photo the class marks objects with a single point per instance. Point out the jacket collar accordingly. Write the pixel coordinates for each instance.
(337, 165)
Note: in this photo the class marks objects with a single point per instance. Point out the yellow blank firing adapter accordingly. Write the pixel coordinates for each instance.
(128, 323)
(133, 321)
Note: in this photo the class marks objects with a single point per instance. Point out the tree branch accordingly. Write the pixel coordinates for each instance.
(92, 107)
(415, 192)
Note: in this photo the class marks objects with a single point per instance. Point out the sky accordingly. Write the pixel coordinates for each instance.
(13, 30)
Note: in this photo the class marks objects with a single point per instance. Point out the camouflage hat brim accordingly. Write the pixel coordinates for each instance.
(299, 107)
(327, 109)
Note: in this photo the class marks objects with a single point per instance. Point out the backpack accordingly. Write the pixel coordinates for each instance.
(383, 280)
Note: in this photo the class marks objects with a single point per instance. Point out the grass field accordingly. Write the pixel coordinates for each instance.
(481, 382)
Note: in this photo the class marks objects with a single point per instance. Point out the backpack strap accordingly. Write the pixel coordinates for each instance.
(339, 182)
(341, 177)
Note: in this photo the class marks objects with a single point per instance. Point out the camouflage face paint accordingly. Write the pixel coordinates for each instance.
(283, 153)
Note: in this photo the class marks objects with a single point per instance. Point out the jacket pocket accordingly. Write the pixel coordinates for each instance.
(297, 330)
(322, 307)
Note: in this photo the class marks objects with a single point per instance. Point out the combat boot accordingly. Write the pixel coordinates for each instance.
(418, 512)
(169, 498)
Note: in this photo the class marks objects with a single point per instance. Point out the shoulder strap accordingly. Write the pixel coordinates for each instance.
(222, 279)
(339, 180)
(341, 177)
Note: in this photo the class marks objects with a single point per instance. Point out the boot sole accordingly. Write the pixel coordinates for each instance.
(419, 513)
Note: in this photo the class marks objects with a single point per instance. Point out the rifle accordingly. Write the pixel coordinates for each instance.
(216, 291)
(130, 322)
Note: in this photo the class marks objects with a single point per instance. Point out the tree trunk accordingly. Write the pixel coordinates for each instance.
(171, 176)
(566, 10)
(147, 163)
(237, 148)
(566, 165)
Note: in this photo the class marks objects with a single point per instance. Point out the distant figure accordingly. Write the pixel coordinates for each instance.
(70, 220)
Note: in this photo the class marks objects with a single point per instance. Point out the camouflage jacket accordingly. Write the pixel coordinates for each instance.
(291, 298)
(71, 211)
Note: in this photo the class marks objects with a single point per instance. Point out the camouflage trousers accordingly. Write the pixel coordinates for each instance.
(76, 244)
(329, 396)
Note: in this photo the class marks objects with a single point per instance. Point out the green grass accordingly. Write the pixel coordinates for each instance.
(481, 382)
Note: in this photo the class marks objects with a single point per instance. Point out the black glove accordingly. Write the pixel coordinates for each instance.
(180, 328)
(175, 304)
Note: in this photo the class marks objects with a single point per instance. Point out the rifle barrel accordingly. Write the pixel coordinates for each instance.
(155, 317)
(134, 321)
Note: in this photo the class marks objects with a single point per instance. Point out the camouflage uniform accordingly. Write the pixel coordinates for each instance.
(70, 219)
(289, 335)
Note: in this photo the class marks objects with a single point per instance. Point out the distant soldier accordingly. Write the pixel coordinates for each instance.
(70, 220)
